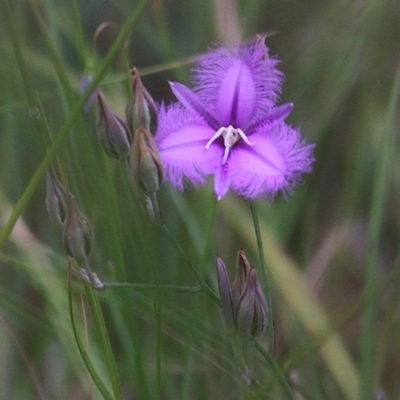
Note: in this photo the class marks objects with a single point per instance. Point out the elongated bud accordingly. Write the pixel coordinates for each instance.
(145, 162)
(85, 81)
(251, 310)
(244, 308)
(114, 135)
(225, 295)
(56, 198)
(77, 232)
(243, 268)
(141, 112)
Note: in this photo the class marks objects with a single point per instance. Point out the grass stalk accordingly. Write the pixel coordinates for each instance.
(81, 346)
(264, 276)
(204, 285)
(369, 339)
(102, 332)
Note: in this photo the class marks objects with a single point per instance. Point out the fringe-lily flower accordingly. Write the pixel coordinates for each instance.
(229, 127)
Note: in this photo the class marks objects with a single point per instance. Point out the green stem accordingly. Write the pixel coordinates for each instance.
(81, 346)
(157, 308)
(158, 316)
(277, 372)
(205, 287)
(23, 69)
(11, 26)
(369, 322)
(64, 131)
(55, 57)
(104, 340)
(264, 276)
(188, 289)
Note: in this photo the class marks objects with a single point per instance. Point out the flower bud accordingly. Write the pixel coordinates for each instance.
(141, 112)
(85, 82)
(244, 307)
(77, 232)
(224, 289)
(251, 310)
(243, 268)
(145, 162)
(56, 198)
(114, 135)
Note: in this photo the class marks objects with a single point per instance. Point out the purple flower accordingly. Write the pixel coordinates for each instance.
(229, 127)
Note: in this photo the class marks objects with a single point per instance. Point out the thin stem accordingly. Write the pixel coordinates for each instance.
(23, 69)
(369, 321)
(104, 340)
(85, 357)
(11, 26)
(277, 372)
(69, 123)
(158, 317)
(188, 289)
(206, 288)
(264, 276)
(157, 308)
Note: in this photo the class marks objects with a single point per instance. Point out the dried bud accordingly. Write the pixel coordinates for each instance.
(141, 112)
(114, 135)
(77, 232)
(244, 306)
(85, 82)
(56, 198)
(145, 162)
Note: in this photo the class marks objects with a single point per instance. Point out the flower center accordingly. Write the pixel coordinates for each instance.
(231, 136)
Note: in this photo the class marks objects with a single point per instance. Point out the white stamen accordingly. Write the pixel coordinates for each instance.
(244, 137)
(231, 136)
(216, 135)
(226, 153)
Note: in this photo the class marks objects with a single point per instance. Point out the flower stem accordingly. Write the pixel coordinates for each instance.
(205, 287)
(157, 309)
(104, 340)
(264, 276)
(81, 346)
(277, 371)
(177, 288)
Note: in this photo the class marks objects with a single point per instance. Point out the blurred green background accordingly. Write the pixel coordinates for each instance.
(323, 244)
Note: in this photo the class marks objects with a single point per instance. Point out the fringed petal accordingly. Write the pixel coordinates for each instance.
(191, 101)
(221, 181)
(181, 140)
(245, 74)
(275, 163)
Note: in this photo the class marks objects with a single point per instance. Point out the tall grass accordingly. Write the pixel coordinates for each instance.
(330, 250)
